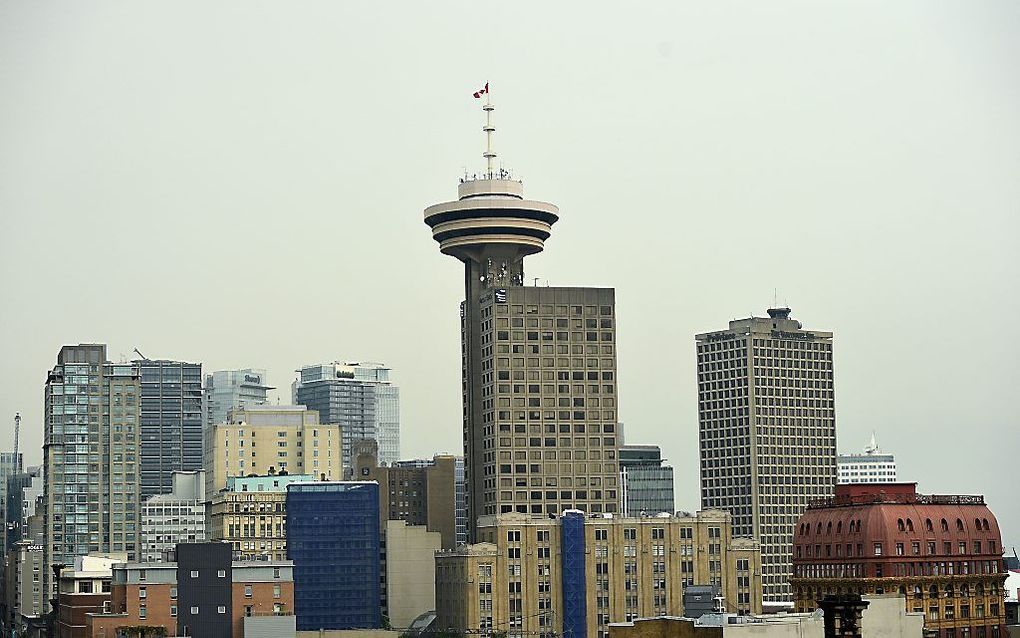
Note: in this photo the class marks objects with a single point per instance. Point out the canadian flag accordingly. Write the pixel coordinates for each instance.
(482, 91)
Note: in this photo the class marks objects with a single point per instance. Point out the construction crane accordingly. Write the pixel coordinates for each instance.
(17, 434)
(141, 355)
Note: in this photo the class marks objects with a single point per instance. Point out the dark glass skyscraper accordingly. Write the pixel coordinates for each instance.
(171, 422)
(333, 539)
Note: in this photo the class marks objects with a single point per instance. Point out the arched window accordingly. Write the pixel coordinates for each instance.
(899, 524)
(858, 526)
(819, 530)
(949, 591)
(959, 525)
(977, 523)
(933, 591)
(839, 527)
(945, 525)
(910, 525)
(979, 589)
(927, 525)
(984, 522)
(828, 528)
(917, 592)
(965, 591)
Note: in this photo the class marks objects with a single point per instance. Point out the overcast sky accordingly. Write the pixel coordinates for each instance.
(242, 184)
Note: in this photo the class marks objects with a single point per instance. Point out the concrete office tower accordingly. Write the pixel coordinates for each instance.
(227, 390)
(171, 422)
(768, 431)
(177, 517)
(872, 466)
(646, 484)
(333, 538)
(360, 398)
(260, 439)
(90, 457)
(539, 363)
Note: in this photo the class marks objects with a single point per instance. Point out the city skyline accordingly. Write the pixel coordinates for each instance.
(884, 200)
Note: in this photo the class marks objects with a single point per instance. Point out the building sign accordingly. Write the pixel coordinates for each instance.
(253, 378)
(344, 374)
(501, 295)
(779, 334)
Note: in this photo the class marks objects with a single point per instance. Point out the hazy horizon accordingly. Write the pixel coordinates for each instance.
(242, 185)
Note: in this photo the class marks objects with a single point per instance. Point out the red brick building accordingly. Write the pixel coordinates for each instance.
(944, 553)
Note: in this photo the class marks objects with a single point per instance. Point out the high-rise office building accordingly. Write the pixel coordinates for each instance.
(90, 457)
(227, 390)
(539, 363)
(360, 398)
(645, 482)
(266, 439)
(171, 422)
(871, 466)
(767, 431)
(333, 538)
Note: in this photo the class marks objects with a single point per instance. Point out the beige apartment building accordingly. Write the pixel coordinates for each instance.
(528, 573)
(250, 513)
(262, 439)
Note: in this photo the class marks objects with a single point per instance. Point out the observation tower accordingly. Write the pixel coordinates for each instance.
(520, 452)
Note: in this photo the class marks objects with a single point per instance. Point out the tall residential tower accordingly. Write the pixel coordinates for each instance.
(767, 431)
(227, 390)
(539, 363)
(90, 457)
(360, 398)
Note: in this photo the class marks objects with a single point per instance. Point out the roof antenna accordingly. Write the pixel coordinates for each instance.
(489, 128)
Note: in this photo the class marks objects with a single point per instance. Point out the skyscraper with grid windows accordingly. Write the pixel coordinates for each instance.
(90, 457)
(767, 429)
(539, 363)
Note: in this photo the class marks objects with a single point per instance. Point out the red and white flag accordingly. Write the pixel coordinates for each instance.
(482, 91)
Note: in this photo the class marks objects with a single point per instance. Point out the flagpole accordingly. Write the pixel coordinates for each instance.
(489, 129)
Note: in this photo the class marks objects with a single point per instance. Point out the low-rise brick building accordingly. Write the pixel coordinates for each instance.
(943, 553)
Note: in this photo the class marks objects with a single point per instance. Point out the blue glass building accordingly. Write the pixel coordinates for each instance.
(333, 539)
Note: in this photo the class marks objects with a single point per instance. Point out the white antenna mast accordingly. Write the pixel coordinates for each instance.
(489, 128)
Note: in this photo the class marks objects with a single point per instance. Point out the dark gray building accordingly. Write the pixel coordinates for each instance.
(204, 581)
(171, 422)
(646, 484)
(539, 363)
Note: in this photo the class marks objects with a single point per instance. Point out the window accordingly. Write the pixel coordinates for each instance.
(194, 574)
(194, 610)
(142, 612)
(142, 593)
(878, 549)
(276, 591)
(173, 593)
(247, 591)
(221, 573)
(173, 611)
(221, 609)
